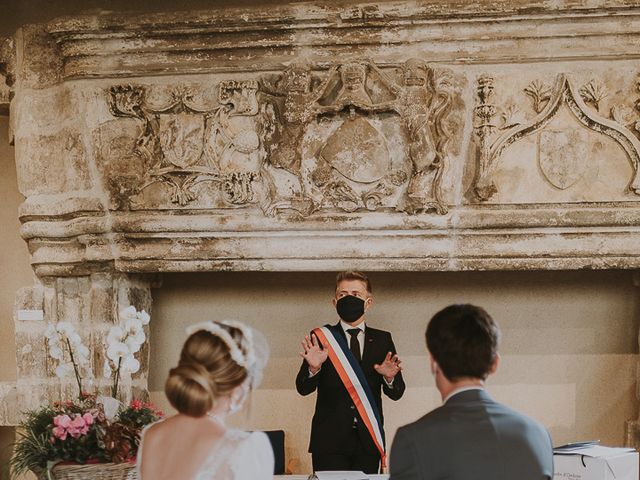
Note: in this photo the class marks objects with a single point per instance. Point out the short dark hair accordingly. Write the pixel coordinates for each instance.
(463, 340)
(353, 275)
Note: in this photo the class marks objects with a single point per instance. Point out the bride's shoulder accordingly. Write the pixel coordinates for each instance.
(151, 428)
(249, 439)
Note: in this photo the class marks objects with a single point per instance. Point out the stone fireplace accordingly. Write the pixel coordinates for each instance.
(434, 145)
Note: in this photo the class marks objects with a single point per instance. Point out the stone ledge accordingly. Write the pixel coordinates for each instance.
(109, 45)
(557, 248)
(487, 237)
(70, 224)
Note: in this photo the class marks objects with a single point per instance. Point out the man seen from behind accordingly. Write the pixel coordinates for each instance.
(471, 436)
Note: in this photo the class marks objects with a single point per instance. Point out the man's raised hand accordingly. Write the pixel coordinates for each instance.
(390, 367)
(313, 353)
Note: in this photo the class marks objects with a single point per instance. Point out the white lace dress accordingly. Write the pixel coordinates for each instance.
(237, 456)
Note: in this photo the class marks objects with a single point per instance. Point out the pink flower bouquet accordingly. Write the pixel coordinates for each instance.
(79, 432)
(91, 429)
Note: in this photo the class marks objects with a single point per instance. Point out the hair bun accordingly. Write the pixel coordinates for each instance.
(189, 389)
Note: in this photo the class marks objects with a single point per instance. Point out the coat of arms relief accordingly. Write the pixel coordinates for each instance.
(565, 155)
(351, 137)
(185, 144)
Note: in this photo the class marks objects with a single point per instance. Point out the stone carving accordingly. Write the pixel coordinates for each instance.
(540, 93)
(484, 113)
(262, 128)
(593, 92)
(185, 145)
(232, 142)
(7, 70)
(423, 102)
(353, 167)
(561, 171)
(289, 105)
(512, 116)
(627, 116)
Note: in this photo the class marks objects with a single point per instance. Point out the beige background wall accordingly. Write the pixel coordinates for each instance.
(15, 268)
(568, 353)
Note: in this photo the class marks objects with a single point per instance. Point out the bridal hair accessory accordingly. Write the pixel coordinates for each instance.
(252, 353)
(225, 336)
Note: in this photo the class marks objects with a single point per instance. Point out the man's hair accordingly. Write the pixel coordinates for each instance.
(353, 275)
(463, 340)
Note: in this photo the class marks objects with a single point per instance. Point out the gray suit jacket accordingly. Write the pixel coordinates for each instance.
(472, 437)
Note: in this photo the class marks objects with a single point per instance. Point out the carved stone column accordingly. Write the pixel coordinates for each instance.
(92, 304)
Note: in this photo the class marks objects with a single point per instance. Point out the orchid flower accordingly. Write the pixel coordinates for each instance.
(123, 342)
(66, 347)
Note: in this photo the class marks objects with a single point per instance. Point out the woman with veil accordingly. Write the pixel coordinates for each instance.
(220, 363)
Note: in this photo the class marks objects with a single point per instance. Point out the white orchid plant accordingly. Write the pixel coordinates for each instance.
(66, 347)
(123, 342)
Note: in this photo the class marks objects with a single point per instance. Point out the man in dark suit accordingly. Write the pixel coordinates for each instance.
(471, 436)
(339, 438)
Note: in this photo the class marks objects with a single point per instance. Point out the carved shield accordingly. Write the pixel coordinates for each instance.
(182, 138)
(358, 151)
(564, 156)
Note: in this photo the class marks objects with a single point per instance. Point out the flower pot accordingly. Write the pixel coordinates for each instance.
(93, 471)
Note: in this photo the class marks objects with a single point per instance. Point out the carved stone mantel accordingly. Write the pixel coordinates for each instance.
(306, 138)
(188, 146)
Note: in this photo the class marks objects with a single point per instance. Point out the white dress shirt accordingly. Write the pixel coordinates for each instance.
(346, 327)
(460, 390)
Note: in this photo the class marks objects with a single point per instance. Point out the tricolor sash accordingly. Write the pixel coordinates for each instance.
(354, 380)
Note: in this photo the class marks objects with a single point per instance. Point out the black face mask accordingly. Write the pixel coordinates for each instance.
(350, 308)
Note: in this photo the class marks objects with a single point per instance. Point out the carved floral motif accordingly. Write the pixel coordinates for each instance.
(540, 93)
(593, 92)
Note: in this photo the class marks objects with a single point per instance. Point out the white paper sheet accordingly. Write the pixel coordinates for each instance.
(338, 475)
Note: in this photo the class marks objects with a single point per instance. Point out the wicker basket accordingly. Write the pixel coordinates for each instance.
(93, 471)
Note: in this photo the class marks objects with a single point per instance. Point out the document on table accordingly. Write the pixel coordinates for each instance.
(347, 475)
(594, 451)
(339, 475)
